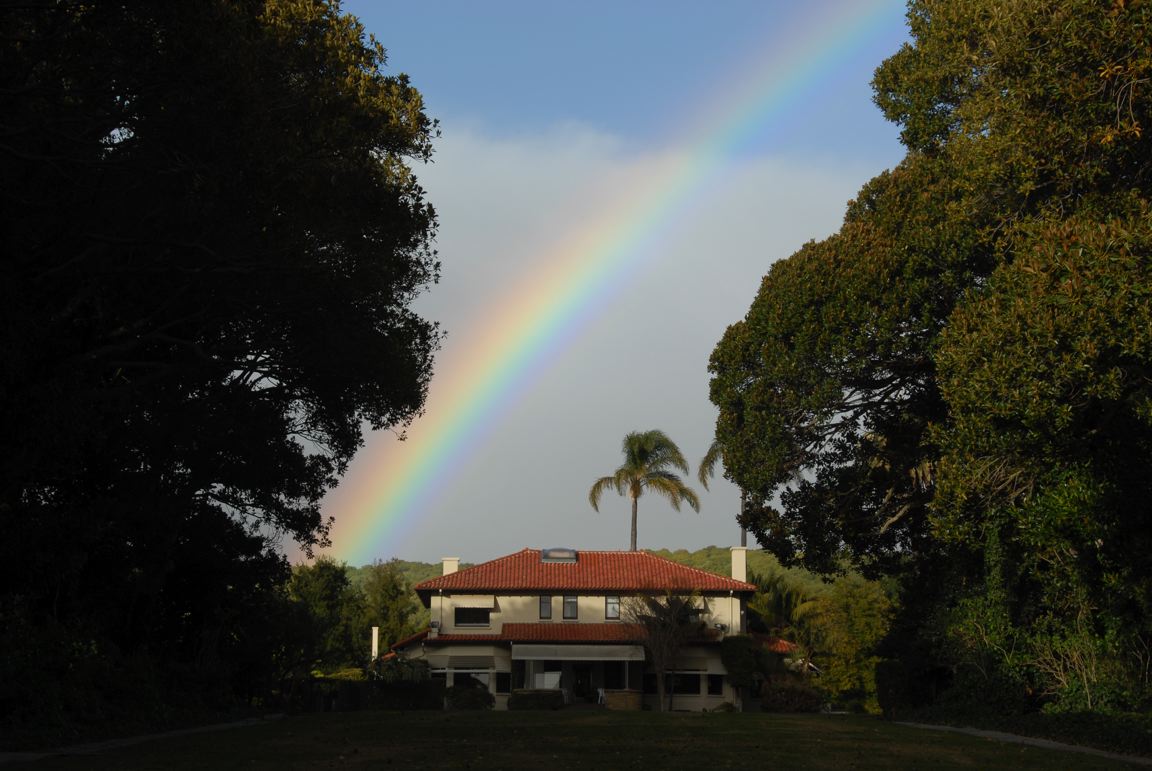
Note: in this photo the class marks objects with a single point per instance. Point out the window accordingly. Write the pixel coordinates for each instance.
(677, 683)
(472, 616)
(685, 683)
(612, 606)
(470, 679)
(570, 608)
(546, 607)
(715, 685)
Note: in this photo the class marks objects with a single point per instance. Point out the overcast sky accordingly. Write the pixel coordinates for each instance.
(542, 106)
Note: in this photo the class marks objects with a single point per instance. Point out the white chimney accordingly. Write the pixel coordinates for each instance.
(375, 642)
(451, 565)
(740, 563)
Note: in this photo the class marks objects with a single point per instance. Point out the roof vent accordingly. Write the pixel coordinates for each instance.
(558, 555)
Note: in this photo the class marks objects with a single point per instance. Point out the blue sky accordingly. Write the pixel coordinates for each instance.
(543, 107)
(631, 69)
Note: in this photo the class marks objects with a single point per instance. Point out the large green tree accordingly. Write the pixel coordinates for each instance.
(212, 236)
(390, 603)
(960, 373)
(649, 460)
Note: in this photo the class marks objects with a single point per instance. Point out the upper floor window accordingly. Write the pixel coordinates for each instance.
(612, 606)
(570, 608)
(473, 616)
(546, 606)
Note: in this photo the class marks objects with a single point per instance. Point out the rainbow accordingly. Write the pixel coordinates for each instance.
(576, 280)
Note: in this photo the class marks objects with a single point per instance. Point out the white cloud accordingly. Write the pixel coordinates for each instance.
(640, 364)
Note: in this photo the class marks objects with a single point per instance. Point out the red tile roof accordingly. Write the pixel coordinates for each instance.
(572, 632)
(619, 571)
(775, 644)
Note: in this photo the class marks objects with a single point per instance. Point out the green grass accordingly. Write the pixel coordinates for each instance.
(575, 739)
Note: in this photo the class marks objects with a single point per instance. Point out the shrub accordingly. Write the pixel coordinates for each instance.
(469, 697)
(788, 695)
(529, 699)
(742, 657)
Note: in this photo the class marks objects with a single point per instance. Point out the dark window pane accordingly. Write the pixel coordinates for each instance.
(715, 685)
(570, 607)
(546, 607)
(685, 683)
(612, 607)
(472, 616)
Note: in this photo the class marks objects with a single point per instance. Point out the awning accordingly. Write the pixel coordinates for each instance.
(577, 652)
(474, 600)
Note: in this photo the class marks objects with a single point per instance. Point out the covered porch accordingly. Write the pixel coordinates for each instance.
(607, 674)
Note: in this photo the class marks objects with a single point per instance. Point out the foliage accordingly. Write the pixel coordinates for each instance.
(743, 659)
(390, 604)
(400, 670)
(718, 559)
(790, 694)
(470, 696)
(836, 626)
(649, 458)
(669, 621)
(333, 610)
(954, 388)
(707, 468)
(847, 623)
(212, 239)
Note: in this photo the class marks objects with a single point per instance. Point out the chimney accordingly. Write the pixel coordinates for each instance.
(451, 565)
(740, 563)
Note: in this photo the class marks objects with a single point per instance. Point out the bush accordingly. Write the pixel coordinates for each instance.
(469, 697)
(788, 695)
(742, 657)
(529, 699)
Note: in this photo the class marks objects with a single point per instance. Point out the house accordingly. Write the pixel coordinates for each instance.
(554, 619)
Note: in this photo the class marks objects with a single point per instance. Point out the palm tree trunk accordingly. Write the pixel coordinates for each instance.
(635, 501)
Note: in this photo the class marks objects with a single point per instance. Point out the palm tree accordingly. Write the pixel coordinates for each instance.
(708, 463)
(648, 458)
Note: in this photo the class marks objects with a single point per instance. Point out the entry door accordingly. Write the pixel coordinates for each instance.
(582, 680)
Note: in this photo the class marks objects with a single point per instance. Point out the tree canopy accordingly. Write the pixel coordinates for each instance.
(212, 237)
(958, 379)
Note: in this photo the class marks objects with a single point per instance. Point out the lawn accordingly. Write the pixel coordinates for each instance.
(573, 739)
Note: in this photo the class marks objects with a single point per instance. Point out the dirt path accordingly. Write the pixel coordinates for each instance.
(1047, 744)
